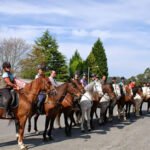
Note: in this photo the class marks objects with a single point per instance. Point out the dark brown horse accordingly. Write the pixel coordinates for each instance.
(27, 97)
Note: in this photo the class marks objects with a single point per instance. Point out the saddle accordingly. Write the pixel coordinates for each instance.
(14, 101)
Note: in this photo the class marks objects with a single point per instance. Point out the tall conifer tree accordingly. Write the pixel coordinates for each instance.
(97, 60)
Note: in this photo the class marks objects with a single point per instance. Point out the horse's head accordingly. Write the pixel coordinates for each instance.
(78, 84)
(46, 85)
(138, 90)
(73, 90)
(108, 88)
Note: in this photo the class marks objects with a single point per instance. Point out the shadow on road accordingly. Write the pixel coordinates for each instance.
(59, 134)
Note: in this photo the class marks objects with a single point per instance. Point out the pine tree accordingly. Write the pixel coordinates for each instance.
(76, 64)
(45, 52)
(97, 60)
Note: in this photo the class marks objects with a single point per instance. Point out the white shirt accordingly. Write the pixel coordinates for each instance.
(53, 81)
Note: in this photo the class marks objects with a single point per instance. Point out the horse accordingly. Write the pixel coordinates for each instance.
(79, 86)
(103, 90)
(86, 104)
(128, 99)
(65, 105)
(51, 108)
(27, 96)
(146, 98)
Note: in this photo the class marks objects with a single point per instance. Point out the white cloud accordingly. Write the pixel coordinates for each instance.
(20, 7)
(119, 24)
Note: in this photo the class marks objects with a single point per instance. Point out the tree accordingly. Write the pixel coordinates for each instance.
(97, 60)
(45, 52)
(13, 50)
(76, 64)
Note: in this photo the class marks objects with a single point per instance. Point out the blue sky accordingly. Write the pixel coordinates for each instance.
(122, 25)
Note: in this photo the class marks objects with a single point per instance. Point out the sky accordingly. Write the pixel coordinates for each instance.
(122, 25)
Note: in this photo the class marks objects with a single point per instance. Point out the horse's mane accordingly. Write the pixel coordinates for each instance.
(30, 85)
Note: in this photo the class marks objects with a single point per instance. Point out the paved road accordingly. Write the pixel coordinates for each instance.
(127, 135)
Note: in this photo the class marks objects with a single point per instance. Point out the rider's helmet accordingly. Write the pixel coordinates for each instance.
(6, 65)
(41, 67)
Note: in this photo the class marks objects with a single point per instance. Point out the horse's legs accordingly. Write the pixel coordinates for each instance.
(58, 119)
(46, 126)
(51, 127)
(29, 124)
(93, 109)
(103, 113)
(22, 122)
(96, 114)
(111, 108)
(17, 128)
(71, 121)
(88, 112)
(66, 122)
(141, 107)
(82, 119)
(78, 115)
(35, 122)
(148, 106)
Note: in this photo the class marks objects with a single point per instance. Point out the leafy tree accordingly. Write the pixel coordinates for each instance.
(97, 60)
(12, 50)
(76, 64)
(46, 52)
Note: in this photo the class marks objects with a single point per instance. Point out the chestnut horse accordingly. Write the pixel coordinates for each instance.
(27, 96)
(56, 103)
(52, 107)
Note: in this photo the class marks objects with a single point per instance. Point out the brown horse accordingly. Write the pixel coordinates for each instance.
(79, 86)
(52, 107)
(27, 97)
(51, 112)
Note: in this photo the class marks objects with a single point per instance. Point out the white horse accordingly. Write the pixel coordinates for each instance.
(86, 104)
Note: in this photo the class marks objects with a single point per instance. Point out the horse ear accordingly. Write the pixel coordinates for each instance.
(69, 79)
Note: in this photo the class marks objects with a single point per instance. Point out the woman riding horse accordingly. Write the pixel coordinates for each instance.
(7, 88)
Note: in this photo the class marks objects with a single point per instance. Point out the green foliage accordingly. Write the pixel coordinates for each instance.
(141, 78)
(75, 64)
(97, 60)
(45, 52)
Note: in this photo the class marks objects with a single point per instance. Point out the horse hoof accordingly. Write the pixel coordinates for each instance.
(51, 138)
(60, 127)
(89, 130)
(45, 139)
(83, 131)
(25, 148)
(37, 132)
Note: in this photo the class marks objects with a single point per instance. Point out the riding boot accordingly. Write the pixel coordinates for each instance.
(39, 107)
(8, 112)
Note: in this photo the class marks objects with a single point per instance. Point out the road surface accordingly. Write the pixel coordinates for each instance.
(133, 134)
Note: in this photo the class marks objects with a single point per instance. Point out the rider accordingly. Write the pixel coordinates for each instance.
(84, 81)
(42, 95)
(116, 87)
(122, 86)
(103, 79)
(8, 85)
(52, 78)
